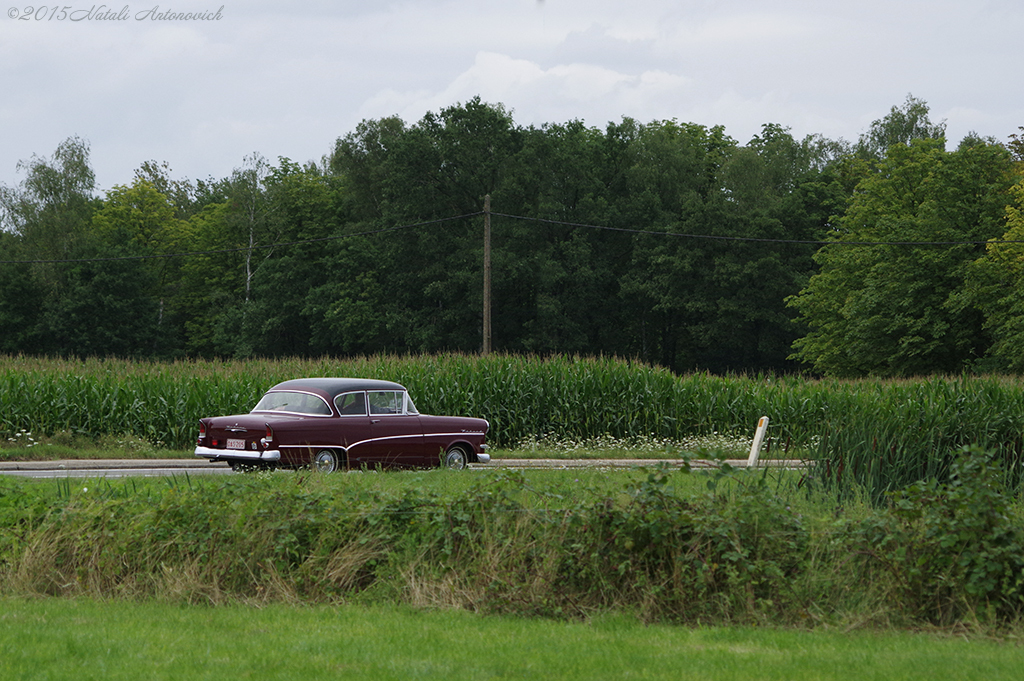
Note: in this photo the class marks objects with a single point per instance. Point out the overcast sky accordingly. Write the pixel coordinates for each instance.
(288, 79)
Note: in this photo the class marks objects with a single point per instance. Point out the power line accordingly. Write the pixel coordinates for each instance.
(810, 242)
(240, 249)
(563, 223)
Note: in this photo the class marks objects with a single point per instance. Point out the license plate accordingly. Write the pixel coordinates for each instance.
(235, 444)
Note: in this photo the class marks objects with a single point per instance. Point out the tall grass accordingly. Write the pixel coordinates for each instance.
(655, 543)
(883, 434)
(500, 545)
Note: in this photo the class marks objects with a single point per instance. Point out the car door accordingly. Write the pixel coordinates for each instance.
(396, 436)
(353, 427)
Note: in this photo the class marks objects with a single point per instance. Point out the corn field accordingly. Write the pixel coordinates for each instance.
(881, 433)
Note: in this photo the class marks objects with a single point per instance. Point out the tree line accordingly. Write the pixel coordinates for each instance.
(667, 242)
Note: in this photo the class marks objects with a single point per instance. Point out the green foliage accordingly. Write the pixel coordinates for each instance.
(649, 543)
(22, 510)
(899, 309)
(901, 126)
(664, 241)
(694, 559)
(997, 284)
(343, 281)
(498, 545)
(21, 299)
(951, 550)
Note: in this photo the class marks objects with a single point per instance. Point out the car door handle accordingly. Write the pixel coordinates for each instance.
(374, 420)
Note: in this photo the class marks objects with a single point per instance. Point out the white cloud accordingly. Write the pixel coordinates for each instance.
(539, 95)
(288, 79)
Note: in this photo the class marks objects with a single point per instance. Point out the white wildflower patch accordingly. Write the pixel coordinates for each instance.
(732, 446)
(23, 438)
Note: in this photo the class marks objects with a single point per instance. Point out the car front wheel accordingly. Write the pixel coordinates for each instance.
(456, 458)
(325, 461)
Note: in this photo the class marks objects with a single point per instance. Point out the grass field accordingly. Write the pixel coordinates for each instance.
(82, 639)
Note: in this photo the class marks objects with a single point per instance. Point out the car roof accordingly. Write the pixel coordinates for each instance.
(335, 386)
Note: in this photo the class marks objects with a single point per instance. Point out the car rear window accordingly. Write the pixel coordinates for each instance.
(294, 402)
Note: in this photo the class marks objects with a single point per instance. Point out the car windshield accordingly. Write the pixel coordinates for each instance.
(294, 402)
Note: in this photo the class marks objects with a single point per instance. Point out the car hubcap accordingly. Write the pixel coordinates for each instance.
(456, 459)
(325, 462)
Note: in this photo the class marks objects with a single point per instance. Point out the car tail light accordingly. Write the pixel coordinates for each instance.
(269, 437)
(202, 433)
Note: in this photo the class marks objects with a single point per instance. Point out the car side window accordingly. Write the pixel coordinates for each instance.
(351, 404)
(386, 401)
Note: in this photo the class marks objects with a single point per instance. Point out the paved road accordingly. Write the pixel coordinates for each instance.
(119, 468)
(111, 468)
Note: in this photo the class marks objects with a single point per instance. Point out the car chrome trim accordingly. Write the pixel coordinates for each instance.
(225, 454)
(483, 458)
(453, 434)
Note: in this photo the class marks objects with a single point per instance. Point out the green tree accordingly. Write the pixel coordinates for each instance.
(104, 310)
(236, 239)
(997, 284)
(46, 219)
(717, 303)
(21, 298)
(671, 180)
(210, 284)
(52, 207)
(360, 158)
(556, 286)
(441, 167)
(901, 126)
(286, 302)
(899, 309)
(138, 221)
(347, 307)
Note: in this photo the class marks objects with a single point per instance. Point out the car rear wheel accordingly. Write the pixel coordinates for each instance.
(326, 461)
(456, 458)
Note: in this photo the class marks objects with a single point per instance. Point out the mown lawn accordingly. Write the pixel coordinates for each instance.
(57, 639)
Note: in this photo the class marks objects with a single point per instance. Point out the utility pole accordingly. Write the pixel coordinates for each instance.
(487, 275)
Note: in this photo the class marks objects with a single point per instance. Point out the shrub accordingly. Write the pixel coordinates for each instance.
(949, 550)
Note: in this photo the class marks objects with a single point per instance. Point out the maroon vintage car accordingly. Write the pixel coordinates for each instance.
(332, 423)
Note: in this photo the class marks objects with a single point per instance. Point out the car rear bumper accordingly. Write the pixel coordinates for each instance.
(237, 454)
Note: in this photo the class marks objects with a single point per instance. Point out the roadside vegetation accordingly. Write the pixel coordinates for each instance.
(662, 545)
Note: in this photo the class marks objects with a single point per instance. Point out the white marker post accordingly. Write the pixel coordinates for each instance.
(755, 448)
